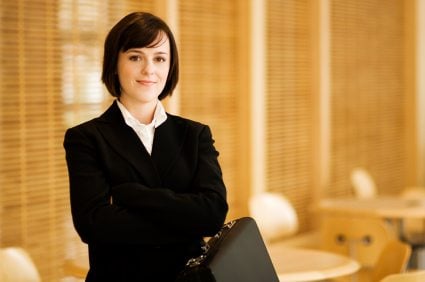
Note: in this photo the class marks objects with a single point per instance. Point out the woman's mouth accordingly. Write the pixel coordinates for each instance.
(146, 82)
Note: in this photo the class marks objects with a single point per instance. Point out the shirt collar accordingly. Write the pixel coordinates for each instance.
(160, 116)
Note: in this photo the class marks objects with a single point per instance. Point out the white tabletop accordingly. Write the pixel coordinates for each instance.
(382, 206)
(299, 264)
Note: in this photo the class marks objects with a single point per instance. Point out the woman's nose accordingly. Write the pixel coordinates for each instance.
(148, 67)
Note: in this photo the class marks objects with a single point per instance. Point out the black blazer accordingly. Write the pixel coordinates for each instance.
(143, 215)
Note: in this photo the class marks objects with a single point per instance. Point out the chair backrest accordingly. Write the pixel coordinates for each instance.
(415, 276)
(363, 184)
(360, 238)
(275, 216)
(414, 226)
(392, 259)
(17, 266)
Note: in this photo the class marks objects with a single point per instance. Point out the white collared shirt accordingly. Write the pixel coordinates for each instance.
(144, 131)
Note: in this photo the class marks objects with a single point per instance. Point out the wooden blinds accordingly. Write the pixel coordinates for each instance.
(368, 93)
(51, 54)
(289, 106)
(209, 79)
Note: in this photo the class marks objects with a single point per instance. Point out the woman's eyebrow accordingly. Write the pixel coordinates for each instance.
(135, 50)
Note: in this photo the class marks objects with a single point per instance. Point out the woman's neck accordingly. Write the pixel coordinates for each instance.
(143, 112)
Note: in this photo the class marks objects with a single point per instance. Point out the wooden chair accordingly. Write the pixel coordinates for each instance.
(360, 238)
(278, 222)
(363, 184)
(275, 216)
(415, 276)
(17, 266)
(413, 229)
(392, 259)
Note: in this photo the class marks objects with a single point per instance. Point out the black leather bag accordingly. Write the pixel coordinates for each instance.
(235, 254)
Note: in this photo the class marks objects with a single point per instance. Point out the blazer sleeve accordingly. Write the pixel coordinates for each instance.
(201, 211)
(95, 218)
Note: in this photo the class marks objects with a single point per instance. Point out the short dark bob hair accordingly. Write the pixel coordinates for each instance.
(137, 30)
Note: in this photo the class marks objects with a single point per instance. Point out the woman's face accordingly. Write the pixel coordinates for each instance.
(143, 72)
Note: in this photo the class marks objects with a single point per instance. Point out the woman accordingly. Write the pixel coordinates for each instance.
(145, 186)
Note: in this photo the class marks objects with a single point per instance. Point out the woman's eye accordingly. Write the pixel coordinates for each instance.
(135, 58)
(160, 59)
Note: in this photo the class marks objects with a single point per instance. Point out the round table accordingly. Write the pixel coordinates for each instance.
(291, 264)
(299, 264)
(390, 207)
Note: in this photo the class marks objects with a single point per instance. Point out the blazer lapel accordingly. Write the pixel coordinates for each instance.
(168, 143)
(125, 142)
